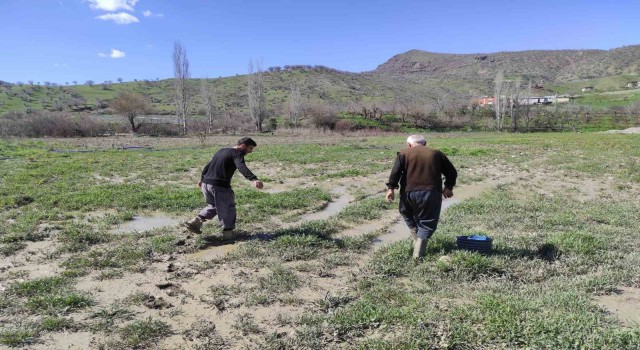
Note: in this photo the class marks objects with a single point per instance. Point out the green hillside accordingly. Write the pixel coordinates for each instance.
(412, 77)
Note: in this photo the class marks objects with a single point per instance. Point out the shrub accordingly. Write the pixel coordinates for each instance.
(343, 126)
(321, 116)
(55, 124)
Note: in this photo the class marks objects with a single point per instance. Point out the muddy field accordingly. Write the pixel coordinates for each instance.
(94, 255)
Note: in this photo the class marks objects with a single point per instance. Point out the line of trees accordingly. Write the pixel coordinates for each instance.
(441, 109)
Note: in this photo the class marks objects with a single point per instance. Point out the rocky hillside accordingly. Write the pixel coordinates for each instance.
(549, 65)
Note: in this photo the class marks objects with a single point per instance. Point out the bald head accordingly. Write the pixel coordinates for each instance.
(416, 140)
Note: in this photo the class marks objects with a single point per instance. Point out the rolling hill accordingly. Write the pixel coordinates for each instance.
(411, 76)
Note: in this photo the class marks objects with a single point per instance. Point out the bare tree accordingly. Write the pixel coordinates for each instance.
(119, 80)
(439, 100)
(401, 107)
(75, 82)
(371, 110)
(181, 75)
(209, 102)
(130, 105)
(526, 110)
(296, 107)
(514, 97)
(255, 87)
(499, 100)
(89, 82)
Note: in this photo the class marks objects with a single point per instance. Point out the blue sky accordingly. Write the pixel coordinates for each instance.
(66, 40)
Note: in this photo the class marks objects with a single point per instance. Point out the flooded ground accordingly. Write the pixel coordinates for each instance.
(333, 207)
(146, 223)
(187, 282)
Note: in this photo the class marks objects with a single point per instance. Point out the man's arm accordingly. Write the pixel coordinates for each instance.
(394, 178)
(450, 175)
(204, 171)
(244, 170)
(396, 173)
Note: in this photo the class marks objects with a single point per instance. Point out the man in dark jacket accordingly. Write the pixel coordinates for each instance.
(215, 184)
(419, 169)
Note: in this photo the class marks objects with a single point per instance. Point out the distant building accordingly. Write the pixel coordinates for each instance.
(587, 88)
(485, 101)
(526, 101)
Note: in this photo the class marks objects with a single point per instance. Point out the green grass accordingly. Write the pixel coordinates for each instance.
(144, 333)
(79, 237)
(280, 280)
(51, 297)
(604, 100)
(556, 248)
(364, 210)
(123, 255)
(57, 324)
(45, 285)
(245, 324)
(612, 83)
(58, 302)
(18, 336)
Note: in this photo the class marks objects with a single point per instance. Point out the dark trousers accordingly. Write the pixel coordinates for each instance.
(221, 201)
(421, 210)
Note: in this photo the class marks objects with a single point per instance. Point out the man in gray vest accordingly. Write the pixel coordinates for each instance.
(215, 184)
(419, 169)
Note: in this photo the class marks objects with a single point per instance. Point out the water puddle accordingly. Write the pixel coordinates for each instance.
(398, 231)
(145, 223)
(362, 229)
(214, 252)
(332, 208)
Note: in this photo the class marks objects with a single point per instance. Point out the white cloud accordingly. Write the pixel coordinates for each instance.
(148, 13)
(112, 5)
(114, 54)
(119, 18)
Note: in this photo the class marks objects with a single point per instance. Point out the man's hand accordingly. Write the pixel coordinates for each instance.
(199, 184)
(447, 192)
(258, 184)
(390, 195)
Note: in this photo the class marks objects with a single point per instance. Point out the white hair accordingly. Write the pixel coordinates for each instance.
(416, 140)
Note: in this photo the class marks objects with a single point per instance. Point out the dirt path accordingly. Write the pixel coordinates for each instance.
(625, 305)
